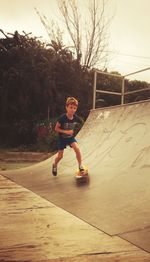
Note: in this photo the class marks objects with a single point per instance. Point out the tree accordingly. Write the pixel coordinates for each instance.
(36, 79)
(88, 36)
(136, 85)
(20, 89)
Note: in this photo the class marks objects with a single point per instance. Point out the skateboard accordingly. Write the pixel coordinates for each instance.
(82, 176)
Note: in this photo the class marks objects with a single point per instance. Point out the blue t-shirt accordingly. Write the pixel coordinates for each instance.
(68, 124)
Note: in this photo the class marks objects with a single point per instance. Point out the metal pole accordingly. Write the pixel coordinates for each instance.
(145, 69)
(122, 91)
(94, 89)
(106, 73)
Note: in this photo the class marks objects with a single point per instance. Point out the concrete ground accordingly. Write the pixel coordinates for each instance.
(115, 203)
(33, 229)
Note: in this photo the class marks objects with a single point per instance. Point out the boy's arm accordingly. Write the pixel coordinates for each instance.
(60, 130)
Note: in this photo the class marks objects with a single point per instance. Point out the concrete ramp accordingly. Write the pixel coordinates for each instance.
(115, 144)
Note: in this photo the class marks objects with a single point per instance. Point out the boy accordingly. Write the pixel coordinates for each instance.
(65, 128)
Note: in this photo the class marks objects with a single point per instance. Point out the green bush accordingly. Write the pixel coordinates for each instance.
(47, 143)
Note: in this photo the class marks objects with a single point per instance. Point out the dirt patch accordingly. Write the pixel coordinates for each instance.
(15, 160)
(23, 156)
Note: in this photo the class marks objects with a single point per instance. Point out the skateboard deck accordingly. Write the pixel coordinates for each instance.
(82, 176)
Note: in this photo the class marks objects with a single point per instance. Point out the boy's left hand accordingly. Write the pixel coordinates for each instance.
(69, 132)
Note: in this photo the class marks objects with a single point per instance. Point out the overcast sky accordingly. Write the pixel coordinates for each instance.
(129, 43)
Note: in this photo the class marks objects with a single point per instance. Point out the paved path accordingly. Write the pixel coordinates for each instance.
(33, 229)
(115, 143)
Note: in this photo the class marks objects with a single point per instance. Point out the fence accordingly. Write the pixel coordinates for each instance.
(122, 94)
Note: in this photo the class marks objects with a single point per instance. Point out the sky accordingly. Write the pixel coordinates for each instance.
(129, 37)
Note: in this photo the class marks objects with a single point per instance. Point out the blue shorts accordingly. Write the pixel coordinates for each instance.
(64, 142)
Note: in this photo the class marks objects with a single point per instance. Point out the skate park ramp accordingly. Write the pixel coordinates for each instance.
(115, 144)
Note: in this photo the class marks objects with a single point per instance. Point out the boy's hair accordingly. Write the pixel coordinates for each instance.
(71, 101)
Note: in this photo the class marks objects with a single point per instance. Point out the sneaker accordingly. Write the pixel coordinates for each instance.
(81, 169)
(54, 170)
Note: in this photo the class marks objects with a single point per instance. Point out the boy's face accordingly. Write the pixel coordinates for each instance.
(71, 109)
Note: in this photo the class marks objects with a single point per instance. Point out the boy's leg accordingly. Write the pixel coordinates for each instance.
(58, 157)
(76, 148)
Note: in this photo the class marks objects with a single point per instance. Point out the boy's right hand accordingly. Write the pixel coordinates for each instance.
(69, 132)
